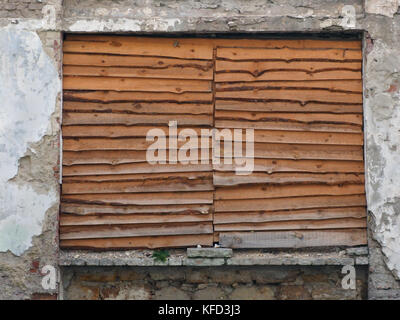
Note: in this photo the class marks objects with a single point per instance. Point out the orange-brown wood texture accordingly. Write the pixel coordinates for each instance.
(303, 98)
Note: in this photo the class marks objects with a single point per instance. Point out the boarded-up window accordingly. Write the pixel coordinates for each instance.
(302, 97)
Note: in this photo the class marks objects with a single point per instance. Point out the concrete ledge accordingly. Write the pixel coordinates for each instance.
(209, 252)
(143, 258)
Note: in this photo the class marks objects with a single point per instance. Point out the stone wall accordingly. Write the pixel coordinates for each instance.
(31, 33)
(211, 283)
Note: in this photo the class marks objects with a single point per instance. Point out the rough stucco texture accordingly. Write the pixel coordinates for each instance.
(28, 93)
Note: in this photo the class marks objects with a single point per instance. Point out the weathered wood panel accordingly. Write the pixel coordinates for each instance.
(289, 215)
(152, 242)
(116, 89)
(302, 97)
(293, 239)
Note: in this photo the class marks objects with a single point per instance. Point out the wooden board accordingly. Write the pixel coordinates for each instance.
(227, 71)
(289, 215)
(153, 242)
(231, 179)
(294, 239)
(303, 97)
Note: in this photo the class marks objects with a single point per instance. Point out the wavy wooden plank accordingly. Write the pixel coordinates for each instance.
(287, 43)
(271, 75)
(131, 168)
(139, 108)
(300, 95)
(231, 179)
(290, 117)
(108, 209)
(121, 231)
(140, 177)
(289, 203)
(239, 43)
(288, 54)
(279, 70)
(294, 225)
(296, 151)
(135, 84)
(140, 242)
(302, 137)
(88, 144)
(105, 131)
(313, 126)
(166, 183)
(289, 215)
(110, 219)
(294, 239)
(350, 86)
(136, 67)
(204, 197)
(287, 106)
(284, 165)
(162, 47)
(134, 160)
(263, 191)
(118, 96)
(73, 118)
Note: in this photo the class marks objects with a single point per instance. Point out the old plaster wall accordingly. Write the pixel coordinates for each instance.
(30, 94)
(29, 119)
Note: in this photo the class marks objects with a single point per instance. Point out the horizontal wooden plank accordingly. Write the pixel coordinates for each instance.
(166, 183)
(204, 197)
(135, 84)
(314, 126)
(290, 117)
(87, 144)
(301, 95)
(286, 43)
(140, 242)
(284, 165)
(121, 96)
(278, 70)
(302, 137)
(271, 75)
(263, 191)
(350, 86)
(140, 177)
(231, 179)
(139, 108)
(73, 118)
(135, 67)
(129, 162)
(187, 73)
(130, 168)
(296, 151)
(287, 106)
(161, 47)
(116, 131)
(129, 230)
(108, 209)
(294, 225)
(288, 54)
(289, 203)
(294, 239)
(110, 219)
(239, 42)
(288, 215)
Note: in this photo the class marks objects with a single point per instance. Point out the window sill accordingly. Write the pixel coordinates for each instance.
(179, 257)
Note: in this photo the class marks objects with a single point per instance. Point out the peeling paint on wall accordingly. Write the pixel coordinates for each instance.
(383, 157)
(28, 92)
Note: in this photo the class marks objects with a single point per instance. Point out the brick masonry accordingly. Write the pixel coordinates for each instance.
(215, 283)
